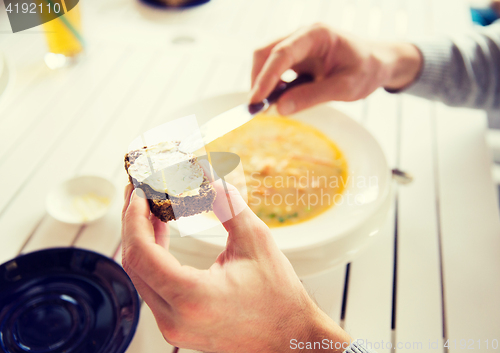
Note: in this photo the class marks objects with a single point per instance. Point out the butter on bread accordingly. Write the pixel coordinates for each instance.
(172, 180)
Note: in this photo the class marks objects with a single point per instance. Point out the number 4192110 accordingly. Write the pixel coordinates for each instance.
(471, 344)
(33, 8)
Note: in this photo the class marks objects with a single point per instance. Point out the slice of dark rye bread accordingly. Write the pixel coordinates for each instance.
(162, 205)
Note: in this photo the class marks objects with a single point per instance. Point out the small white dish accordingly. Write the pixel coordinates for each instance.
(81, 200)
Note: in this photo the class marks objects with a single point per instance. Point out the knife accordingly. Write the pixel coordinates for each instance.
(234, 118)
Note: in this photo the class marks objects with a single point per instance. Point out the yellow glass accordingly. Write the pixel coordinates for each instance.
(64, 37)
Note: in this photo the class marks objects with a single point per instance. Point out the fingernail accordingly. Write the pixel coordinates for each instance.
(138, 192)
(286, 107)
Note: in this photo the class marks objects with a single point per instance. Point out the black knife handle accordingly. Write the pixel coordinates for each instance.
(281, 88)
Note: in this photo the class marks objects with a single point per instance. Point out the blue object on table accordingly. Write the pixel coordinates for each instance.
(66, 300)
(162, 4)
(483, 16)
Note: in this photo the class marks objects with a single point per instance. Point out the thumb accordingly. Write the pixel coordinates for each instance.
(229, 206)
(136, 221)
(248, 234)
(228, 201)
(336, 87)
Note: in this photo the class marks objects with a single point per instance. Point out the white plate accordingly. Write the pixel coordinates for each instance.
(81, 200)
(334, 236)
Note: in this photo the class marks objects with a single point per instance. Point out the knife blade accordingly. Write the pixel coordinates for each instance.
(236, 117)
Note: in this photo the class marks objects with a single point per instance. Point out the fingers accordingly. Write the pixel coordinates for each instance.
(153, 299)
(228, 204)
(248, 235)
(160, 228)
(136, 224)
(161, 231)
(127, 193)
(260, 56)
(228, 201)
(305, 43)
(337, 87)
(150, 261)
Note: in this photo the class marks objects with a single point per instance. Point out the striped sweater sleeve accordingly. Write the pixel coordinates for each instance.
(462, 71)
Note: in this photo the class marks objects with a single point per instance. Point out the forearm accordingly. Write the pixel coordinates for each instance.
(330, 334)
(460, 72)
(327, 336)
(321, 334)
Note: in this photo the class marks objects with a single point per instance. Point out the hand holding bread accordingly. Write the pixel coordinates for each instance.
(249, 300)
(173, 182)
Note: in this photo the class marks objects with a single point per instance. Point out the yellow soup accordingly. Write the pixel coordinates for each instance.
(292, 171)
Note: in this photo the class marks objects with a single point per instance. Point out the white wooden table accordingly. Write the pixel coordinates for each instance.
(434, 274)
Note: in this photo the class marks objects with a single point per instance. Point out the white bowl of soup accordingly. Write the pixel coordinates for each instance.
(318, 178)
